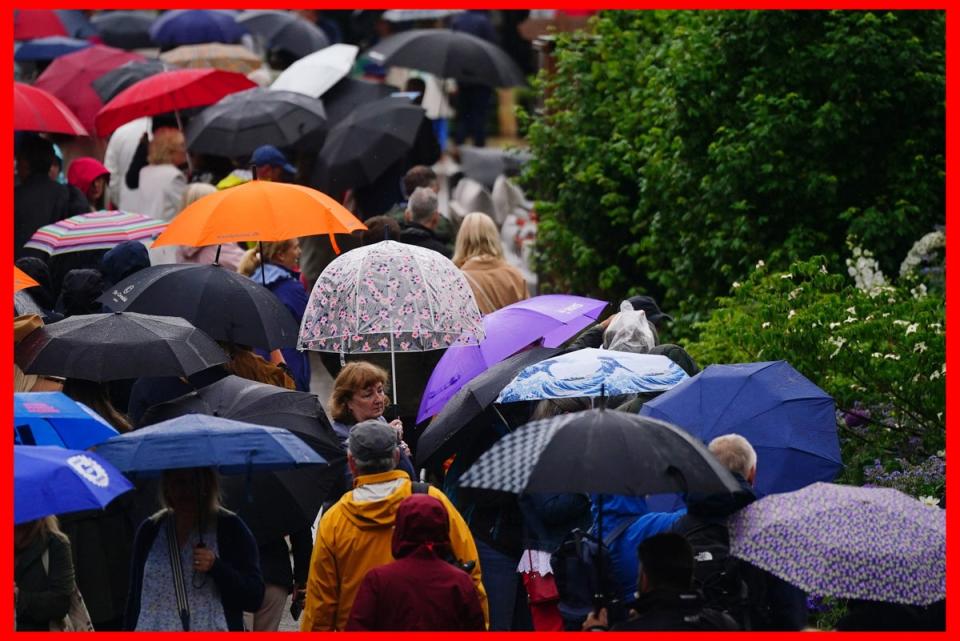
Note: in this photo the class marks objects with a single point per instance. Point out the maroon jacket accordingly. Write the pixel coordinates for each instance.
(420, 590)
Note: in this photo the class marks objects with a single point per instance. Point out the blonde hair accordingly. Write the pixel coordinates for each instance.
(194, 192)
(351, 379)
(478, 236)
(251, 258)
(165, 143)
(735, 453)
(44, 527)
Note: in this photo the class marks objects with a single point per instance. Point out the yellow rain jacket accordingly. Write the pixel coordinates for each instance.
(355, 535)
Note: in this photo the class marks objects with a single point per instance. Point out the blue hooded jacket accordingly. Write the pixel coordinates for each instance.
(286, 286)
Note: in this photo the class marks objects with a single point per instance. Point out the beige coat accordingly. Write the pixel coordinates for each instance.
(495, 283)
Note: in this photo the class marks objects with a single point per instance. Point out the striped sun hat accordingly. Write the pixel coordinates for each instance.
(97, 230)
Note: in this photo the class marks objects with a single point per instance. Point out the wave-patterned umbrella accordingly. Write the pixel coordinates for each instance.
(97, 230)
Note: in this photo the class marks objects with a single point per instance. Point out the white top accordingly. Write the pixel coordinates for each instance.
(160, 193)
(123, 144)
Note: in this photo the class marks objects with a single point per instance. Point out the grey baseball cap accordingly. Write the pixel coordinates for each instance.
(371, 440)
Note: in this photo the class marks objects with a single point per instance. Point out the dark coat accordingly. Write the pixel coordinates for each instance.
(417, 234)
(420, 590)
(548, 518)
(275, 558)
(43, 597)
(286, 286)
(39, 201)
(236, 570)
(670, 610)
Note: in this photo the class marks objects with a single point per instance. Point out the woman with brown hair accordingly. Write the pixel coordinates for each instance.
(479, 255)
(42, 573)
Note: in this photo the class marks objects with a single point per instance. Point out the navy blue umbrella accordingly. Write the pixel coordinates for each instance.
(195, 440)
(789, 421)
(53, 418)
(195, 26)
(48, 48)
(124, 29)
(52, 480)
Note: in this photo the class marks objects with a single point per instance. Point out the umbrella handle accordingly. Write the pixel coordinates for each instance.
(393, 370)
(216, 259)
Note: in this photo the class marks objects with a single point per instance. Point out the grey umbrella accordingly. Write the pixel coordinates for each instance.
(285, 30)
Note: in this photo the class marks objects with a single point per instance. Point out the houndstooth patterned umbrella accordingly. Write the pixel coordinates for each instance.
(599, 451)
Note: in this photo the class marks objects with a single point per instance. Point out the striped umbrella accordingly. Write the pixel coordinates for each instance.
(97, 230)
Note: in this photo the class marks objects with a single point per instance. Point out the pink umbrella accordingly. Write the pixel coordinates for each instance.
(36, 110)
(36, 23)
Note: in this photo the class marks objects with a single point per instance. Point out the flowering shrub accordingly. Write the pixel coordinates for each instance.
(925, 480)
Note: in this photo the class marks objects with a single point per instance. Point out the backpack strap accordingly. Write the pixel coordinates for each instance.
(418, 487)
(173, 552)
(617, 531)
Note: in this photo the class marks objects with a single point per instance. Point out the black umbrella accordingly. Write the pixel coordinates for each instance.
(282, 499)
(600, 451)
(449, 54)
(285, 30)
(241, 122)
(445, 433)
(366, 143)
(343, 98)
(120, 345)
(124, 29)
(116, 80)
(226, 305)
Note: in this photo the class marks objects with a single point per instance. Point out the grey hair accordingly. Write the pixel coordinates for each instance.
(422, 204)
(375, 466)
(735, 453)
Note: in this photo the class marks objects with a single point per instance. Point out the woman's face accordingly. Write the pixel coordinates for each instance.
(367, 403)
(289, 257)
(181, 488)
(96, 189)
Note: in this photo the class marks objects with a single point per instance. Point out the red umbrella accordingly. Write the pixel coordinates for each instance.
(36, 110)
(70, 78)
(36, 23)
(169, 91)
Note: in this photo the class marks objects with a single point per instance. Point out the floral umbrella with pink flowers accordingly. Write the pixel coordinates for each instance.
(390, 297)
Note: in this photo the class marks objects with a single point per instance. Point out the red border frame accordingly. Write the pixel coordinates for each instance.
(6, 400)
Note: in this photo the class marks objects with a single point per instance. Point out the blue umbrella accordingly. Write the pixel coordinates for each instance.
(48, 48)
(52, 480)
(53, 418)
(195, 440)
(789, 421)
(195, 26)
(593, 372)
(76, 23)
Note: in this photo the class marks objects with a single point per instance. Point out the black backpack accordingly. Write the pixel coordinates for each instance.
(584, 577)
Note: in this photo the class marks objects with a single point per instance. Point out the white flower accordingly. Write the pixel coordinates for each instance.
(876, 355)
(935, 375)
(835, 325)
(735, 285)
(919, 291)
(901, 322)
(930, 501)
(765, 325)
(760, 264)
(942, 454)
(935, 326)
(892, 357)
(851, 310)
(787, 275)
(915, 379)
(940, 418)
(920, 347)
(922, 250)
(838, 341)
(885, 314)
(912, 329)
(792, 313)
(850, 319)
(823, 269)
(891, 300)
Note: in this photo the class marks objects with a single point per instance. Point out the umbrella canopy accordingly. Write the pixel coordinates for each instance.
(222, 303)
(70, 78)
(443, 434)
(243, 121)
(412, 15)
(96, 230)
(53, 418)
(76, 23)
(37, 23)
(119, 345)
(48, 48)
(284, 495)
(486, 164)
(449, 54)
(194, 440)
(169, 91)
(52, 480)
(314, 74)
(284, 30)
(116, 80)
(343, 98)
(22, 280)
(195, 26)
(789, 421)
(258, 210)
(598, 451)
(593, 372)
(367, 142)
(847, 542)
(549, 319)
(213, 55)
(38, 110)
(124, 29)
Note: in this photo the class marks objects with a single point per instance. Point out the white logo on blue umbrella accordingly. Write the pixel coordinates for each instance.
(89, 469)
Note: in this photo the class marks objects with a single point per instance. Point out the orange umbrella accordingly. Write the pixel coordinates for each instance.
(21, 280)
(259, 210)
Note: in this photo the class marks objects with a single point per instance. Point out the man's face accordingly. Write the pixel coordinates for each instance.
(269, 173)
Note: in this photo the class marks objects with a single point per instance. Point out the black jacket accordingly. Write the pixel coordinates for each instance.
(44, 596)
(417, 234)
(39, 201)
(671, 610)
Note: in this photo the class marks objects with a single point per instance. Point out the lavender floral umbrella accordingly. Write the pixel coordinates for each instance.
(849, 542)
(390, 297)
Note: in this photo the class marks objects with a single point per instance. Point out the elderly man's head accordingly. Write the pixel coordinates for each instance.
(372, 448)
(736, 454)
(422, 208)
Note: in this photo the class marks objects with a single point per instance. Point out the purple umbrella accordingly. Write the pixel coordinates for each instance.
(848, 542)
(551, 319)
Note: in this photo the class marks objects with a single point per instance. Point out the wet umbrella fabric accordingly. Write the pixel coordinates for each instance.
(54, 480)
(48, 48)
(285, 30)
(53, 418)
(116, 346)
(485, 164)
(314, 74)
(442, 436)
(867, 543)
(449, 54)
(29, 24)
(213, 55)
(124, 29)
(599, 451)
(22, 280)
(222, 303)
(549, 319)
(194, 440)
(789, 420)
(96, 230)
(195, 26)
(38, 110)
(343, 98)
(240, 123)
(116, 80)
